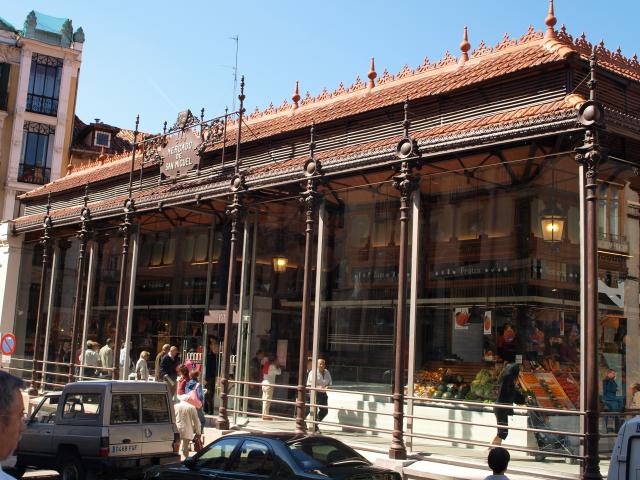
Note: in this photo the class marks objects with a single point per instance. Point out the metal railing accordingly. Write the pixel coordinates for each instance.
(42, 104)
(33, 174)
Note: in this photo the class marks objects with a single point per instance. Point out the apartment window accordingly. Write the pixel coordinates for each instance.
(5, 68)
(609, 201)
(37, 152)
(102, 139)
(44, 84)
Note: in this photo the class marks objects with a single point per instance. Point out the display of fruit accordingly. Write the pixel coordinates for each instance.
(484, 386)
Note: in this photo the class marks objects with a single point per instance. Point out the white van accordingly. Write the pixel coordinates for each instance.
(625, 459)
(101, 427)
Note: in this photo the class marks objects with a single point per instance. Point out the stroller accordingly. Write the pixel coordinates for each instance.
(548, 443)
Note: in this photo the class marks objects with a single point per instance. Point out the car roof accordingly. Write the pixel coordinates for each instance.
(117, 386)
(282, 436)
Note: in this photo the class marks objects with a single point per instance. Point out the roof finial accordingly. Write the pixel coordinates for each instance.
(550, 21)
(464, 47)
(295, 97)
(372, 74)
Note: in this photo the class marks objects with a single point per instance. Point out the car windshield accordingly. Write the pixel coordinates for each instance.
(318, 452)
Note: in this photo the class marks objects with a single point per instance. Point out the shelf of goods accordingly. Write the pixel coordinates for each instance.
(546, 389)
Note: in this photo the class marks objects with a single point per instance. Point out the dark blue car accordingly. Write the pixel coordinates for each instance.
(277, 455)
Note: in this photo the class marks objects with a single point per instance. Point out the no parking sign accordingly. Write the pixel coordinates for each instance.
(8, 343)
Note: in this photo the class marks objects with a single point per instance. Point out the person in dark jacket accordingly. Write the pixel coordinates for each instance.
(612, 401)
(211, 372)
(508, 394)
(168, 369)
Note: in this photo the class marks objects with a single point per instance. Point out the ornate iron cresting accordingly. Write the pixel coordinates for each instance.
(83, 236)
(591, 154)
(45, 241)
(309, 199)
(125, 229)
(234, 213)
(405, 182)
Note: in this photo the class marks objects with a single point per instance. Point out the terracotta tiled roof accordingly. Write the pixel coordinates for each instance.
(430, 136)
(509, 56)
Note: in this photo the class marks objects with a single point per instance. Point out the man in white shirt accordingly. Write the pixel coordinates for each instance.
(106, 355)
(270, 370)
(11, 417)
(323, 382)
(187, 422)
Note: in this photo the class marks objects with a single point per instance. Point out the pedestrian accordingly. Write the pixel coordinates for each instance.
(12, 417)
(255, 377)
(194, 385)
(142, 369)
(106, 356)
(191, 363)
(183, 378)
(323, 382)
(635, 396)
(211, 372)
(123, 354)
(187, 422)
(612, 401)
(168, 370)
(161, 353)
(498, 461)
(91, 359)
(507, 395)
(270, 370)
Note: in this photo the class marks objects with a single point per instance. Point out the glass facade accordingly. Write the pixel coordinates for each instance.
(494, 272)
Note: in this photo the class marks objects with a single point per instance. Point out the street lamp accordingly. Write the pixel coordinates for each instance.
(552, 221)
(280, 263)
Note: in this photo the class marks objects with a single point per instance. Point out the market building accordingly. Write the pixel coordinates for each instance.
(493, 195)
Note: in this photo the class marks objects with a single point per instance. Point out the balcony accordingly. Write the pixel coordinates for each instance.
(42, 104)
(34, 174)
(612, 242)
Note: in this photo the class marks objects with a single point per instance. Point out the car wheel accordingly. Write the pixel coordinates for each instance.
(71, 468)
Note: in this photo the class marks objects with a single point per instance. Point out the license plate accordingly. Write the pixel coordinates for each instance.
(124, 449)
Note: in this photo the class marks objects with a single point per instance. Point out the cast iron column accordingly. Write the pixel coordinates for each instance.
(44, 241)
(234, 212)
(309, 199)
(125, 229)
(83, 236)
(590, 154)
(405, 182)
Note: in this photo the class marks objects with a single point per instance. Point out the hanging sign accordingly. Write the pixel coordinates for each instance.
(180, 153)
(8, 343)
(487, 322)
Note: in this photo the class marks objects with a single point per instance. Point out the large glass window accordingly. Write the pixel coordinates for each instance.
(37, 153)
(44, 84)
(5, 69)
(618, 290)
(360, 283)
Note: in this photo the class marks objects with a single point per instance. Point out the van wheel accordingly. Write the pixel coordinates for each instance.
(71, 468)
(17, 471)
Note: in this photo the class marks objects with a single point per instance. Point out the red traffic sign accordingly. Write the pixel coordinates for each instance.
(8, 343)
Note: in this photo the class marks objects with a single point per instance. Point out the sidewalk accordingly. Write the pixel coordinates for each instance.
(431, 460)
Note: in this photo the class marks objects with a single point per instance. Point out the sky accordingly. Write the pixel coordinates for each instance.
(157, 58)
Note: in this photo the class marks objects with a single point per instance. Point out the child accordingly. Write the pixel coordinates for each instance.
(498, 461)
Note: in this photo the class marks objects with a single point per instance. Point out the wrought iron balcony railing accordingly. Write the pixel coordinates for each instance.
(34, 174)
(42, 104)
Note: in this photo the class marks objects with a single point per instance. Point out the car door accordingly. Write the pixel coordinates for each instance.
(37, 437)
(157, 424)
(212, 461)
(125, 434)
(254, 460)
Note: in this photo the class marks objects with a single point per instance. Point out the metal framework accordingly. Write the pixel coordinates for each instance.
(234, 212)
